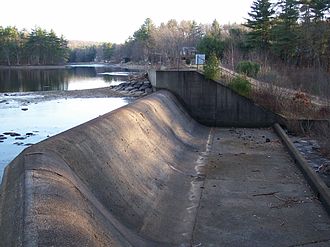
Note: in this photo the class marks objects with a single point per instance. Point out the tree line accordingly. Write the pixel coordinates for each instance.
(38, 47)
(42, 47)
(95, 52)
(296, 32)
(291, 32)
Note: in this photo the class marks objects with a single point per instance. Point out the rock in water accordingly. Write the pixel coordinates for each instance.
(12, 134)
(20, 138)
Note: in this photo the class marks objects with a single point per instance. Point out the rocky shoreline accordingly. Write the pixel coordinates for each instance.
(135, 87)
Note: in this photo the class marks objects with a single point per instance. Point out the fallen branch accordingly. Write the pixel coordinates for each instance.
(266, 194)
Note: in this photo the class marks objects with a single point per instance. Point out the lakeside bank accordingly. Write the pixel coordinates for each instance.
(68, 65)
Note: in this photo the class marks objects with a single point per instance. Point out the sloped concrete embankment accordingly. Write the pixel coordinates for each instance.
(109, 182)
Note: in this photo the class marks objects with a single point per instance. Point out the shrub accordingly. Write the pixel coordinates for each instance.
(241, 85)
(211, 67)
(248, 68)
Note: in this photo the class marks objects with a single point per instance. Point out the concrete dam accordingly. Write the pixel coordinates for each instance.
(148, 174)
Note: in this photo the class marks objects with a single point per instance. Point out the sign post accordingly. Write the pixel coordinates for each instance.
(200, 59)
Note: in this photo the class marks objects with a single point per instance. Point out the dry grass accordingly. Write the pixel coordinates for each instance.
(309, 80)
(297, 106)
(306, 81)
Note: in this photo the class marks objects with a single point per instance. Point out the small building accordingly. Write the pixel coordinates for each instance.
(188, 54)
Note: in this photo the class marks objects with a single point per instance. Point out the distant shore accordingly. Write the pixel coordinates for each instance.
(129, 66)
(33, 67)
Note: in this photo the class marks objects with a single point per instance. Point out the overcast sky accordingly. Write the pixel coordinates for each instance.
(114, 21)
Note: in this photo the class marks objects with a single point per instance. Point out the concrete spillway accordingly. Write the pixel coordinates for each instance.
(109, 181)
(149, 175)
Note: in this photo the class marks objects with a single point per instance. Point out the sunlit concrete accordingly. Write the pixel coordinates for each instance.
(148, 174)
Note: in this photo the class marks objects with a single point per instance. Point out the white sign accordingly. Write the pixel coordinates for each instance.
(200, 59)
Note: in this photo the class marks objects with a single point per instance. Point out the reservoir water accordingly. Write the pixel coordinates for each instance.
(21, 127)
(75, 77)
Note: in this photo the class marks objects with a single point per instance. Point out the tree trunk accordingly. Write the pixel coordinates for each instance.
(17, 59)
(8, 59)
(232, 57)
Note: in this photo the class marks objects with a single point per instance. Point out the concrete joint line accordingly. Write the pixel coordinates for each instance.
(199, 181)
(319, 187)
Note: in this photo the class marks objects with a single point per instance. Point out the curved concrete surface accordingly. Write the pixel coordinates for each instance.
(149, 175)
(109, 182)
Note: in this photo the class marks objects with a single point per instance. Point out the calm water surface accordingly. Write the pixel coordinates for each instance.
(71, 78)
(48, 118)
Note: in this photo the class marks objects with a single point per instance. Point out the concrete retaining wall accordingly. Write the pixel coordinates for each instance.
(210, 102)
(109, 182)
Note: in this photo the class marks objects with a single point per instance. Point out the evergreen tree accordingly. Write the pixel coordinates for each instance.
(108, 49)
(212, 43)
(305, 39)
(211, 67)
(260, 23)
(319, 8)
(142, 40)
(285, 32)
(215, 29)
(144, 32)
(305, 11)
(195, 34)
(43, 47)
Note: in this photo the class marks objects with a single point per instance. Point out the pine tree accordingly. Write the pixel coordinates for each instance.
(319, 8)
(313, 33)
(284, 32)
(212, 42)
(260, 23)
(305, 11)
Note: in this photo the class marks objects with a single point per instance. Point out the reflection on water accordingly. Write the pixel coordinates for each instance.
(73, 78)
(47, 119)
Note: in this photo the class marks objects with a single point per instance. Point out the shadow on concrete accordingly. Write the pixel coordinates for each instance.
(149, 175)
